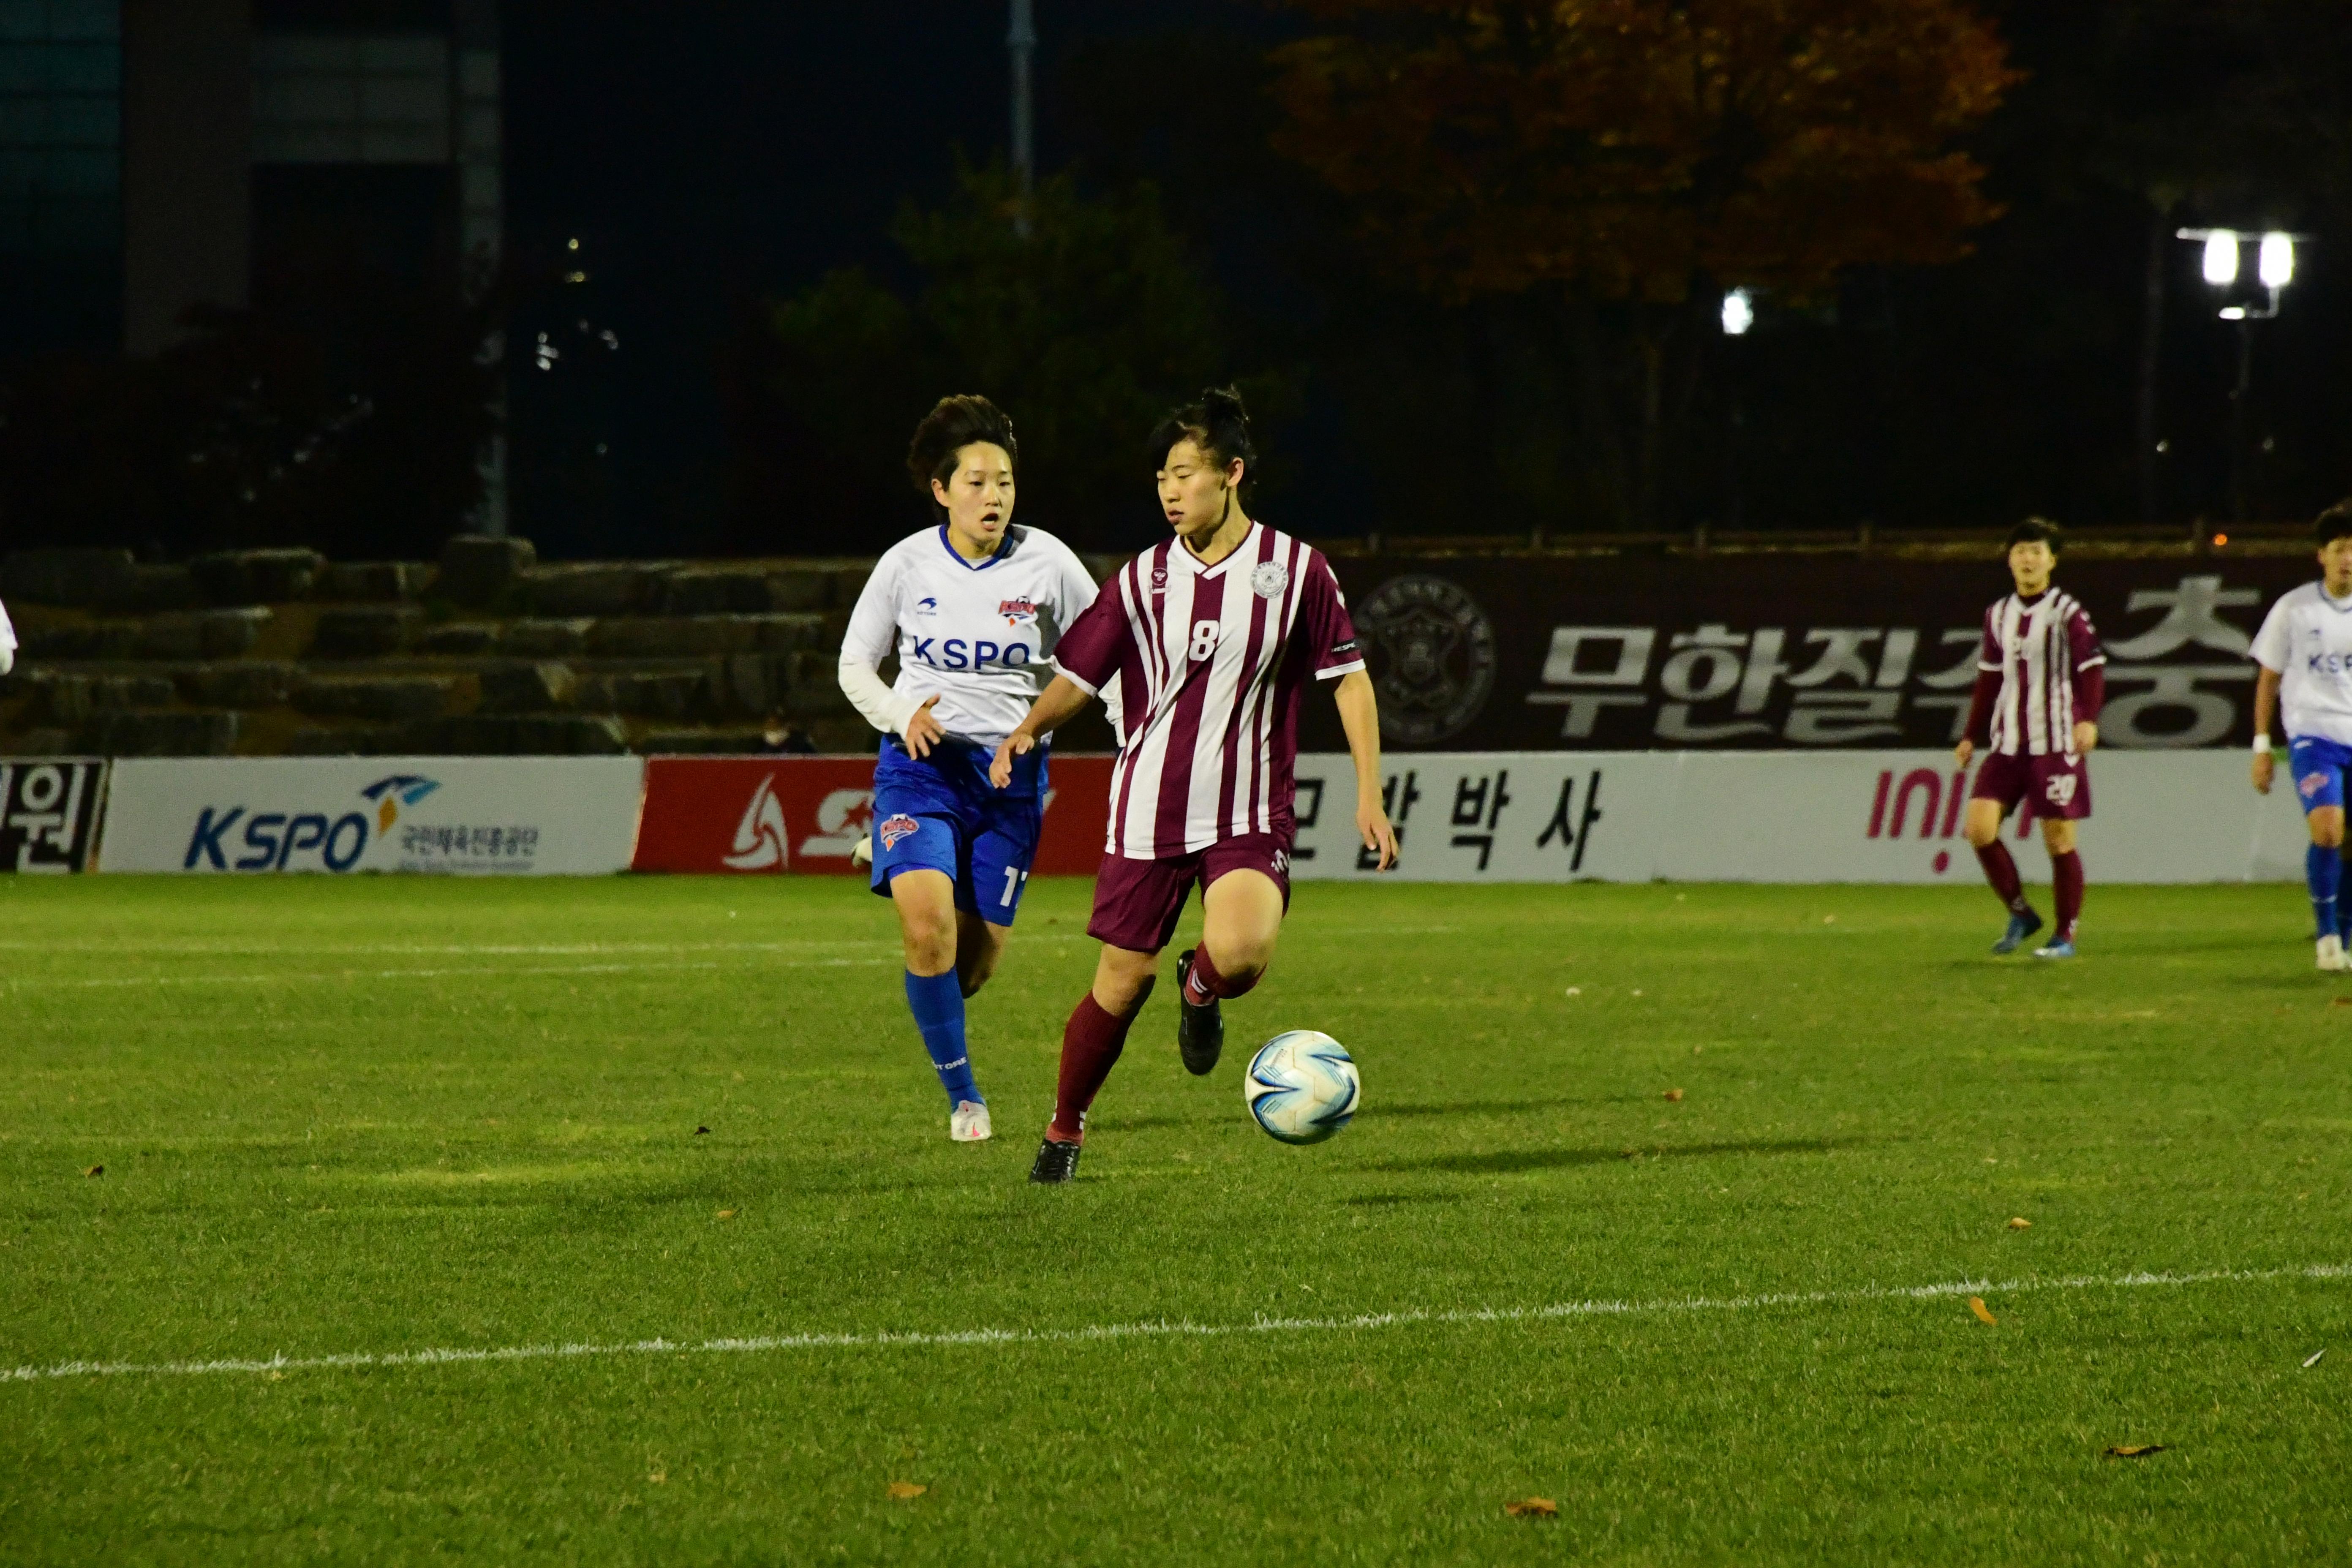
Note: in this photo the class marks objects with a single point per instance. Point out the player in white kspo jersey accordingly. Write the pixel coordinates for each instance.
(972, 608)
(2305, 651)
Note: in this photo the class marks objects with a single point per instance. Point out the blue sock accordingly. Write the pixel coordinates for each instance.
(2343, 913)
(937, 1002)
(2325, 871)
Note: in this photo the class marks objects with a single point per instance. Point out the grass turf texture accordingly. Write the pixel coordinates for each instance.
(382, 1115)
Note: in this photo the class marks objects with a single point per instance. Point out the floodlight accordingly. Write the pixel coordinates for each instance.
(2233, 312)
(1738, 313)
(2276, 264)
(2222, 257)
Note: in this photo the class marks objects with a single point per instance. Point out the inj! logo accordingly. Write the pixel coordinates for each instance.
(271, 839)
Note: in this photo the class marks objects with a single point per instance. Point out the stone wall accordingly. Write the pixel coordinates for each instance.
(280, 652)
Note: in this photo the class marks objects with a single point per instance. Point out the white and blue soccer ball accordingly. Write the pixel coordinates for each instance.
(1302, 1086)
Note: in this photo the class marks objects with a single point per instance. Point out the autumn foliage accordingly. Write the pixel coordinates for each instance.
(1627, 149)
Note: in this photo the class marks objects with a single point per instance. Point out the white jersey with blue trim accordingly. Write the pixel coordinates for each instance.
(2307, 638)
(980, 633)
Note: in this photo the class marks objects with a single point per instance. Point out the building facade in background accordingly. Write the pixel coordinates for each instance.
(161, 158)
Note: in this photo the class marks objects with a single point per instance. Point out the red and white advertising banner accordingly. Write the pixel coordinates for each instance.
(1782, 816)
(755, 815)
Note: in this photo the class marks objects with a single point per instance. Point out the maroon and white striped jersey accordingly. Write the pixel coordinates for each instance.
(2048, 665)
(1211, 662)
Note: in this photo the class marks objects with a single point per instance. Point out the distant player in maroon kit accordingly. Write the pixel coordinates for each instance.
(1214, 635)
(2041, 677)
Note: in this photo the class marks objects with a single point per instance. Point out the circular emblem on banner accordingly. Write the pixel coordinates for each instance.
(1432, 657)
(1270, 579)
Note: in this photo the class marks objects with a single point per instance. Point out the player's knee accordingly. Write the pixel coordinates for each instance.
(2326, 830)
(930, 940)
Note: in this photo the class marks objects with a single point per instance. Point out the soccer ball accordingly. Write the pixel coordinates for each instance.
(1302, 1086)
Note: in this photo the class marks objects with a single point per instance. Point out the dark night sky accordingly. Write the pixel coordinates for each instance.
(714, 155)
(710, 155)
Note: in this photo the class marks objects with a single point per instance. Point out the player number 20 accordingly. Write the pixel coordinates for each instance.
(1204, 640)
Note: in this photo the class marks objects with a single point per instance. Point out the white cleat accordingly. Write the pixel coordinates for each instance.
(861, 854)
(2331, 954)
(968, 1123)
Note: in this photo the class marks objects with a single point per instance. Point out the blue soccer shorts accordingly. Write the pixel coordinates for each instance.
(2318, 766)
(941, 814)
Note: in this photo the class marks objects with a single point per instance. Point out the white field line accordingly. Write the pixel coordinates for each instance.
(498, 950)
(1163, 1329)
(340, 974)
(572, 949)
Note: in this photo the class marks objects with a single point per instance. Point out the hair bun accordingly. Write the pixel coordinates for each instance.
(1223, 402)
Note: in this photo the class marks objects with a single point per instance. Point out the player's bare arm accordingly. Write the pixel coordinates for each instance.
(1359, 717)
(2266, 691)
(1061, 701)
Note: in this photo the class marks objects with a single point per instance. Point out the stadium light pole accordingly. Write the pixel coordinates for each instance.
(2274, 270)
(1738, 318)
(1021, 40)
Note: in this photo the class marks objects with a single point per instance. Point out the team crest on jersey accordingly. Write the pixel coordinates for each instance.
(1020, 612)
(1270, 579)
(894, 828)
(1160, 579)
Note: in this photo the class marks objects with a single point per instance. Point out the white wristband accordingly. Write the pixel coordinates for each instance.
(2262, 743)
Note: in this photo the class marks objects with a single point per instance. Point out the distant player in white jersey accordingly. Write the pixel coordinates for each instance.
(1213, 638)
(2040, 679)
(974, 608)
(7, 642)
(2305, 650)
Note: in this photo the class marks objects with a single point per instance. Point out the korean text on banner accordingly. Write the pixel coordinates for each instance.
(805, 813)
(49, 809)
(1778, 816)
(500, 815)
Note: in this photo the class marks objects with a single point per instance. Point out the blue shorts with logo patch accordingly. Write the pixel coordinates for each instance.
(2318, 766)
(941, 814)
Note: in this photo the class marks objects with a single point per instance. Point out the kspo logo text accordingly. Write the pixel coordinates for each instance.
(270, 840)
(954, 653)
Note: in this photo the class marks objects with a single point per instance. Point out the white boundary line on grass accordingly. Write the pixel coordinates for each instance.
(1368, 1321)
(289, 977)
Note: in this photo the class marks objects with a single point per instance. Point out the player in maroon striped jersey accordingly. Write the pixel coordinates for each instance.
(1214, 635)
(2041, 677)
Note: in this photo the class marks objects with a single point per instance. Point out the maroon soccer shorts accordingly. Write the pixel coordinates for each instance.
(2057, 786)
(1137, 902)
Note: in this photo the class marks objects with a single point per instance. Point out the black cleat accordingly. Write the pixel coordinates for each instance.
(1200, 1031)
(1056, 1162)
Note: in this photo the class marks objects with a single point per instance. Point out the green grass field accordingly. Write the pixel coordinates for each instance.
(371, 1118)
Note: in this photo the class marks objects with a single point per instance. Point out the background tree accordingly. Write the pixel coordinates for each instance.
(262, 427)
(1625, 161)
(1085, 331)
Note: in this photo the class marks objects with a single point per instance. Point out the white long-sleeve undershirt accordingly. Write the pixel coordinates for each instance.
(871, 695)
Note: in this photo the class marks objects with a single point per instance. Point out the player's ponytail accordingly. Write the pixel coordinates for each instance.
(953, 423)
(1218, 423)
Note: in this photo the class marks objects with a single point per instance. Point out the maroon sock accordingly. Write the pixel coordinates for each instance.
(1091, 1042)
(2001, 872)
(2066, 884)
(1203, 984)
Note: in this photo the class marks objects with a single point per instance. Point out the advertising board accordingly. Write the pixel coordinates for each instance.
(480, 816)
(755, 815)
(49, 811)
(1620, 653)
(1780, 816)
